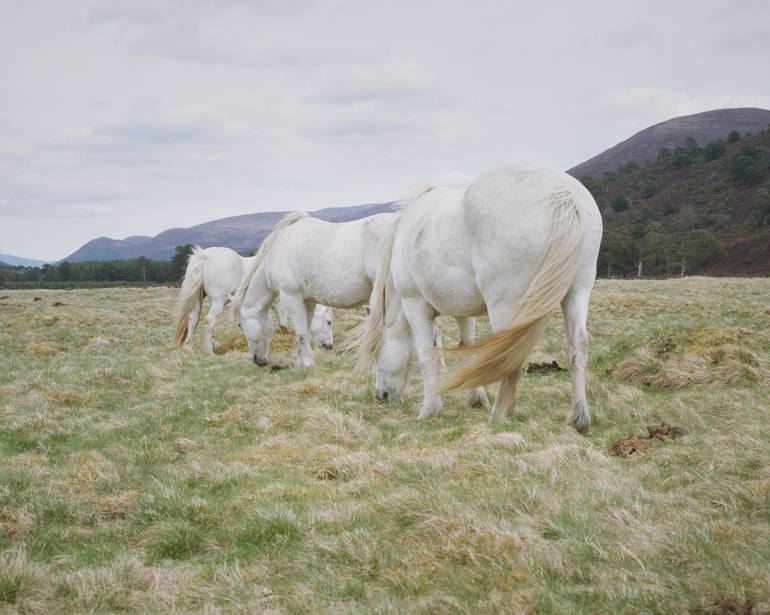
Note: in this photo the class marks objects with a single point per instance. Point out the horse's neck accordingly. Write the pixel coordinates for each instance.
(258, 294)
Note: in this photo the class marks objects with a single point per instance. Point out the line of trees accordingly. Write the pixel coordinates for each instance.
(657, 253)
(140, 270)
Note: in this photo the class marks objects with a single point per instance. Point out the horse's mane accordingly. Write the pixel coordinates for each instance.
(237, 297)
(405, 203)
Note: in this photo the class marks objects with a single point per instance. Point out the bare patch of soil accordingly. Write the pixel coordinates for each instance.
(545, 367)
(636, 443)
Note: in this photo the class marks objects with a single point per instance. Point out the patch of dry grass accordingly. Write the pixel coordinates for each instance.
(137, 478)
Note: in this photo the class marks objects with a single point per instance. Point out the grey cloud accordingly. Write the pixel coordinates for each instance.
(207, 109)
(372, 127)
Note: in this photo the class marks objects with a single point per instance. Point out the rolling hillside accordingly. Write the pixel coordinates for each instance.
(707, 206)
(241, 233)
(703, 127)
(18, 261)
(682, 210)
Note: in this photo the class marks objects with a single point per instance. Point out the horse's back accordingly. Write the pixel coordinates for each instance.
(509, 214)
(323, 261)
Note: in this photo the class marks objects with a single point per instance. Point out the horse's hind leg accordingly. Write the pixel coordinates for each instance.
(478, 396)
(420, 316)
(211, 319)
(192, 322)
(500, 312)
(297, 310)
(575, 308)
(505, 401)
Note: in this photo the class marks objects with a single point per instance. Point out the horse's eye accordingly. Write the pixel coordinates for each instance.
(328, 322)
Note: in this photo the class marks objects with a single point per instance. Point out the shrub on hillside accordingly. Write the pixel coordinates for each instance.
(700, 249)
(714, 150)
(744, 169)
(650, 186)
(620, 202)
(761, 213)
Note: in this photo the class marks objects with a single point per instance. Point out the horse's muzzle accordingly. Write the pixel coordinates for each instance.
(327, 346)
(261, 361)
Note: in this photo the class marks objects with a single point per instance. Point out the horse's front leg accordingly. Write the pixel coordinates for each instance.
(297, 310)
(467, 325)
(420, 317)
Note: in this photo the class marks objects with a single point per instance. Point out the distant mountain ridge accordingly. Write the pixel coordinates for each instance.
(703, 127)
(19, 261)
(245, 233)
(241, 233)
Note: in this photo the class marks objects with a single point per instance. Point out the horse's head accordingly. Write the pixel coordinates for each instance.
(258, 328)
(392, 362)
(321, 328)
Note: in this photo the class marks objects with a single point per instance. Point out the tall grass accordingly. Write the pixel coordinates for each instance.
(138, 478)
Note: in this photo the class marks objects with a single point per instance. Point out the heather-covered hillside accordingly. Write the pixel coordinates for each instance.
(702, 208)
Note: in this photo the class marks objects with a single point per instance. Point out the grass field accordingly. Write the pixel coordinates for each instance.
(137, 477)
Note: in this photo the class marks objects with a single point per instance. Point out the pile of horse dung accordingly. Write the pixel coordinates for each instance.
(635, 443)
(545, 367)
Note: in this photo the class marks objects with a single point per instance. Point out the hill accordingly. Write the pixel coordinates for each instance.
(241, 233)
(18, 261)
(693, 210)
(703, 127)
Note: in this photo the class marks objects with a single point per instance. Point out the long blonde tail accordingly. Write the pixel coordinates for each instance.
(190, 295)
(504, 352)
(289, 219)
(366, 337)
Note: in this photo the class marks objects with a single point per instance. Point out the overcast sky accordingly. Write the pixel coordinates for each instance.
(121, 117)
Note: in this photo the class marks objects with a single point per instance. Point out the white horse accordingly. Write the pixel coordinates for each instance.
(306, 261)
(516, 244)
(216, 273)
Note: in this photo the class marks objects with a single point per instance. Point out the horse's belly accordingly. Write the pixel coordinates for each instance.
(446, 284)
(453, 296)
(343, 290)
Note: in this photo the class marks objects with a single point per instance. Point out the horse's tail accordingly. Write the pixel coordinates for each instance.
(264, 249)
(191, 294)
(504, 352)
(366, 337)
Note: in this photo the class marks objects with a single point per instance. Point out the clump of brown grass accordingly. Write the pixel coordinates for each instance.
(68, 398)
(91, 467)
(282, 341)
(686, 356)
(21, 579)
(116, 506)
(16, 523)
(339, 426)
(121, 585)
(43, 348)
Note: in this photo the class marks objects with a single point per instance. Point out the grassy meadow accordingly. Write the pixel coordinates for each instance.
(136, 477)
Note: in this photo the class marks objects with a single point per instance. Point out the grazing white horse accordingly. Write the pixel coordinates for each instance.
(516, 244)
(216, 273)
(306, 261)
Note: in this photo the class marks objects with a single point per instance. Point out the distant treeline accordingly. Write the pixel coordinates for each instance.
(93, 274)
